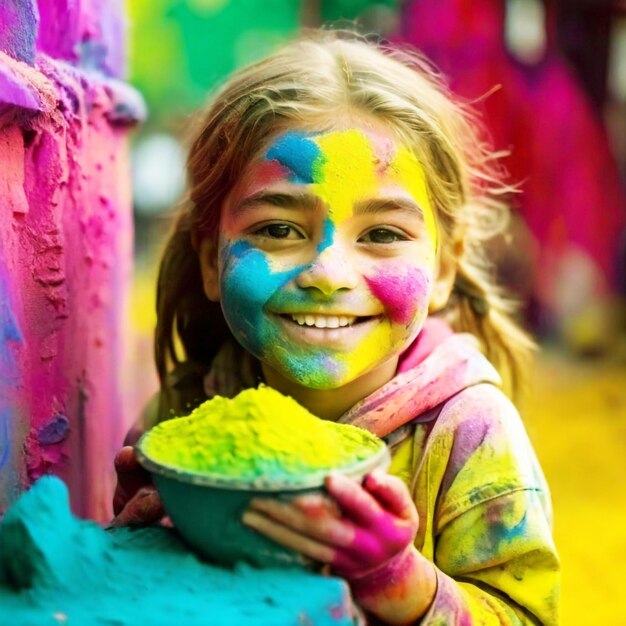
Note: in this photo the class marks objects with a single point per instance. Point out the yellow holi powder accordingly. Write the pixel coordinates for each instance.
(259, 433)
(411, 176)
(344, 181)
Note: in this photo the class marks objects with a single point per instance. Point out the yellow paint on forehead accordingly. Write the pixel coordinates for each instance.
(346, 174)
(410, 174)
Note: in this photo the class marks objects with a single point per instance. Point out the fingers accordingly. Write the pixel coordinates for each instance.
(355, 530)
(288, 537)
(131, 477)
(315, 516)
(143, 508)
(391, 493)
(354, 501)
(126, 460)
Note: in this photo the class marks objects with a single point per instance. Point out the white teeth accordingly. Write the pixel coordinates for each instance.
(323, 321)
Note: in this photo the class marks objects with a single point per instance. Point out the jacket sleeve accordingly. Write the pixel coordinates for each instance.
(496, 564)
(491, 519)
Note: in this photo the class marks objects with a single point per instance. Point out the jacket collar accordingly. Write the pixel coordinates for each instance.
(438, 365)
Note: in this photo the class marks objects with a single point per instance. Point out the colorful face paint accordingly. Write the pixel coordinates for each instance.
(328, 255)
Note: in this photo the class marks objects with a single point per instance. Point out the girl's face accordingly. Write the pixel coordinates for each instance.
(327, 256)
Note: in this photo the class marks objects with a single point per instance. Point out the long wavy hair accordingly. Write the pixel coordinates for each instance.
(308, 84)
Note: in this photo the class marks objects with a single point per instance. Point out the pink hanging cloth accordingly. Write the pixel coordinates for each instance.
(571, 198)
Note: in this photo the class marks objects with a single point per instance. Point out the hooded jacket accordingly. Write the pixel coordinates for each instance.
(483, 503)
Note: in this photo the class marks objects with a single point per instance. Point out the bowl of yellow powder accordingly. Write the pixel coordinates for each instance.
(208, 465)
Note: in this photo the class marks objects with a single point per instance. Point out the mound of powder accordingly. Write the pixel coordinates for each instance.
(58, 569)
(260, 432)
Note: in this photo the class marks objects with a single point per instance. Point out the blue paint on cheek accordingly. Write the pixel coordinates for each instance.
(297, 152)
(248, 283)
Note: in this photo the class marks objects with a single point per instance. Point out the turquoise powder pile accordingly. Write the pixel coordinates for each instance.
(57, 569)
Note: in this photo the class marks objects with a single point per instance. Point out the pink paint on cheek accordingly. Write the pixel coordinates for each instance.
(402, 290)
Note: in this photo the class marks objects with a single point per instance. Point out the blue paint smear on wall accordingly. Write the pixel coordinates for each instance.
(9, 329)
(5, 443)
(9, 334)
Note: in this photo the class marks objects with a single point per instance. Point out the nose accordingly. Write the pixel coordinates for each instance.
(331, 271)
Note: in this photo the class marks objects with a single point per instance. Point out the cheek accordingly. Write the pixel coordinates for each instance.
(247, 283)
(403, 291)
(246, 275)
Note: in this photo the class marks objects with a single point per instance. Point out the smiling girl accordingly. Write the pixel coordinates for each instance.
(332, 247)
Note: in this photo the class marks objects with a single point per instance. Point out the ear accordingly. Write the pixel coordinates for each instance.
(447, 264)
(208, 257)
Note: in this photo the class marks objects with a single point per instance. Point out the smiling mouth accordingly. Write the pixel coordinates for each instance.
(311, 320)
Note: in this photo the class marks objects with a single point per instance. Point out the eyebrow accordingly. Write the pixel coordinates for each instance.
(311, 202)
(387, 205)
(282, 200)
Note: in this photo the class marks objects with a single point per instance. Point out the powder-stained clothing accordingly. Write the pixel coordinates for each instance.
(483, 503)
(460, 446)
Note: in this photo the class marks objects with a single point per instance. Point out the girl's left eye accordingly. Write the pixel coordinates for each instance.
(278, 231)
(382, 235)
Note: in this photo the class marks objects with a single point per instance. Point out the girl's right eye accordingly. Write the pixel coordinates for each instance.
(278, 231)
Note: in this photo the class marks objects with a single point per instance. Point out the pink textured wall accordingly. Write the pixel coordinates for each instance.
(65, 245)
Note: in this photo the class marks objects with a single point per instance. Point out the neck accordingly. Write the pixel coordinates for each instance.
(331, 404)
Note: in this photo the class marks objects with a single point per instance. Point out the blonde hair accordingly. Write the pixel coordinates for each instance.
(307, 84)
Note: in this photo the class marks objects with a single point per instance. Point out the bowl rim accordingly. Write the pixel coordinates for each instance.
(381, 459)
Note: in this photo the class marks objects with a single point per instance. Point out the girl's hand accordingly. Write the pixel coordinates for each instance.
(365, 533)
(356, 531)
(136, 501)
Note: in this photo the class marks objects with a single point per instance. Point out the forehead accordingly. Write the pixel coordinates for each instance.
(344, 167)
(308, 157)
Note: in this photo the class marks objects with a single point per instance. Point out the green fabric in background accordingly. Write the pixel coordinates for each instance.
(181, 49)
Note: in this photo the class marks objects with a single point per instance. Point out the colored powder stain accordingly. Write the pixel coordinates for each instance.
(371, 350)
(401, 291)
(18, 29)
(56, 568)
(9, 329)
(341, 182)
(248, 283)
(258, 433)
(328, 235)
(5, 442)
(318, 369)
(297, 152)
(411, 176)
(268, 172)
(503, 529)
(249, 287)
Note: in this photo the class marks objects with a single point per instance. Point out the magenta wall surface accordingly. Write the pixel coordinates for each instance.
(65, 245)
